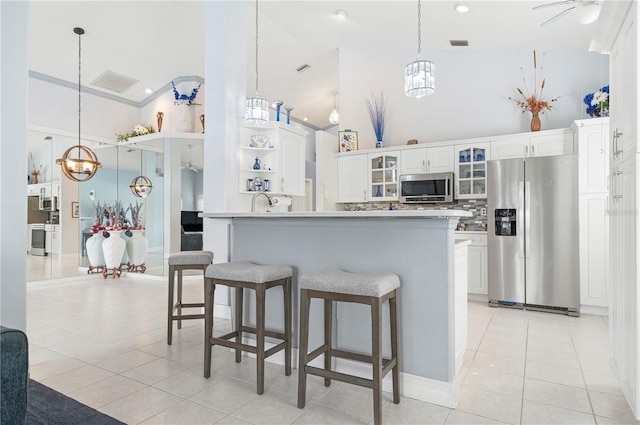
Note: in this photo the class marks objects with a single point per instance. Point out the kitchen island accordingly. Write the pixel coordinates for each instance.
(418, 245)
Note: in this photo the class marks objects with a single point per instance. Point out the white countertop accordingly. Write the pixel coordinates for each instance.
(345, 214)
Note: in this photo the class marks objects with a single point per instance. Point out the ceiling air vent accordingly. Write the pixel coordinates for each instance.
(113, 81)
(459, 43)
(303, 67)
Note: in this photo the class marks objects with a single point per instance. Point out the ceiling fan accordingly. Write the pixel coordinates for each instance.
(189, 165)
(587, 10)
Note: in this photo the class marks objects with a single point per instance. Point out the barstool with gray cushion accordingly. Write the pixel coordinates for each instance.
(185, 260)
(241, 275)
(367, 288)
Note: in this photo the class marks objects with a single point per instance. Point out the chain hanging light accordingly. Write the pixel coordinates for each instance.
(419, 75)
(257, 110)
(79, 163)
(334, 116)
(141, 186)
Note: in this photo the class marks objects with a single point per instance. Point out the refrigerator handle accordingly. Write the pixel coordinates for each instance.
(521, 218)
(527, 218)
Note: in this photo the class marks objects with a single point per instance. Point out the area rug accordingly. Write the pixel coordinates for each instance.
(46, 406)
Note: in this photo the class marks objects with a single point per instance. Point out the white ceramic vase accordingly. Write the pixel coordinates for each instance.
(94, 250)
(137, 247)
(183, 122)
(113, 249)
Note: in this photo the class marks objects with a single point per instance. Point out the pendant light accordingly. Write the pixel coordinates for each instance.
(141, 186)
(334, 116)
(79, 163)
(419, 78)
(257, 110)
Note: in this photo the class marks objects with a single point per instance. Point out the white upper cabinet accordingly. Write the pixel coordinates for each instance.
(471, 170)
(383, 176)
(272, 159)
(543, 143)
(437, 159)
(352, 178)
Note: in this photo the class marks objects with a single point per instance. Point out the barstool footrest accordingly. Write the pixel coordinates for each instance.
(272, 334)
(191, 305)
(275, 349)
(342, 377)
(188, 316)
(315, 353)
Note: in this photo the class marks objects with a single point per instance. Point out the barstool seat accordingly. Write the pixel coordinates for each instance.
(372, 289)
(241, 275)
(178, 262)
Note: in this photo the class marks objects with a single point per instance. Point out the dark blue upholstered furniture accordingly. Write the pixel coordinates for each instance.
(14, 367)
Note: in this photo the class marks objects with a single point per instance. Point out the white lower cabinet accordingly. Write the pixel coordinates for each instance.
(477, 276)
(352, 178)
(594, 252)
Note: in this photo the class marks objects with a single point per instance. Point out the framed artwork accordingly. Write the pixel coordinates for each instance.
(75, 209)
(348, 140)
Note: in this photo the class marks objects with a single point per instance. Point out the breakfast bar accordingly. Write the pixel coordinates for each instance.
(418, 245)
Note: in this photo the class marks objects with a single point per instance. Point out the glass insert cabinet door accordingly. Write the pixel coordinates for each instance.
(471, 176)
(383, 174)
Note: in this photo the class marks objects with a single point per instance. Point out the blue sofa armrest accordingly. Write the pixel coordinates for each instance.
(14, 368)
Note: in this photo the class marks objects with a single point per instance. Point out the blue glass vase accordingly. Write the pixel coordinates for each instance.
(378, 193)
(256, 164)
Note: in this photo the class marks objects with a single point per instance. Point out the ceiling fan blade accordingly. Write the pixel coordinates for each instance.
(542, 6)
(558, 16)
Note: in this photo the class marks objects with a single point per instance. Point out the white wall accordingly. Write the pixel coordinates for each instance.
(13, 151)
(472, 87)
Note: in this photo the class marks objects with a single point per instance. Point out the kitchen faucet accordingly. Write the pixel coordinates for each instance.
(272, 202)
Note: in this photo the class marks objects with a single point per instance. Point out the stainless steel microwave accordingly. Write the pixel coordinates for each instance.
(426, 188)
(49, 204)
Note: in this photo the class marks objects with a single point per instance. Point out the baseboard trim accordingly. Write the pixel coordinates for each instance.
(478, 298)
(595, 310)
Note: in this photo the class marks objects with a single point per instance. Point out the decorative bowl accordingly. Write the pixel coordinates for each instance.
(260, 140)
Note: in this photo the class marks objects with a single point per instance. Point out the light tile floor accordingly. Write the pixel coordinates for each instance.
(103, 342)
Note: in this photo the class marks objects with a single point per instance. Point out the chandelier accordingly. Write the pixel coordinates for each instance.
(79, 163)
(419, 78)
(334, 116)
(141, 186)
(257, 109)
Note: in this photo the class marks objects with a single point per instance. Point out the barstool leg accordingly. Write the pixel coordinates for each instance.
(376, 349)
(239, 314)
(179, 298)
(287, 326)
(209, 289)
(303, 347)
(328, 328)
(395, 372)
(170, 311)
(260, 313)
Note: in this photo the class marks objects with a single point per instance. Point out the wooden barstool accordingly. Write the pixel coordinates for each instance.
(241, 275)
(185, 260)
(372, 289)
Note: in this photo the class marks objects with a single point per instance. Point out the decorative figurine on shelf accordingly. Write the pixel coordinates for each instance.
(266, 185)
(380, 162)
(288, 109)
(249, 185)
(378, 193)
(256, 164)
(257, 184)
(278, 104)
(202, 122)
(160, 117)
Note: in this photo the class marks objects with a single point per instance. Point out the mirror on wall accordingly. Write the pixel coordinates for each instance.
(61, 212)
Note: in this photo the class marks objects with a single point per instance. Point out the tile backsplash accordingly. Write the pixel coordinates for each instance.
(476, 222)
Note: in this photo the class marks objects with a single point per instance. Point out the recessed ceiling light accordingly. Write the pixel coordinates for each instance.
(342, 14)
(305, 118)
(461, 8)
(148, 90)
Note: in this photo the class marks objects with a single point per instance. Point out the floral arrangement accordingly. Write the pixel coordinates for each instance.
(183, 99)
(377, 113)
(35, 172)
(136, 216)
(533, 101)
(109, 218)
(138, 130)
(598, 103)
(98, 218)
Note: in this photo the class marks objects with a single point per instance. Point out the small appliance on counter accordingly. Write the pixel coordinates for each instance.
(49, 203)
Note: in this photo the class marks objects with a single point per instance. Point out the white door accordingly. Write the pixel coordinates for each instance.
(440, 159)
(594, 243)
(293, 159)
(414, 161)
(352, 178)
(551, 144)
(517, 147)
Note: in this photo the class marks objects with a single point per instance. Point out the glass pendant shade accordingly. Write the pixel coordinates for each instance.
(141, 187)
(334, 116)
(257, 111)
(419, 78)
(79, 163)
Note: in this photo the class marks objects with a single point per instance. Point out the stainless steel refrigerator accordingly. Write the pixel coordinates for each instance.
(532, 233)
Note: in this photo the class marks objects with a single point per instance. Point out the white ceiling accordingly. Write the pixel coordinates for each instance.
(158, 41)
